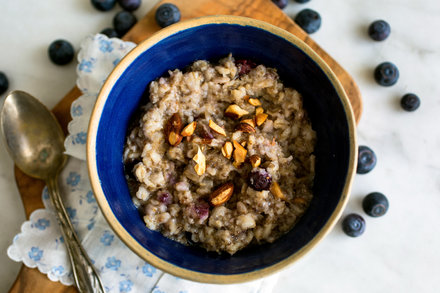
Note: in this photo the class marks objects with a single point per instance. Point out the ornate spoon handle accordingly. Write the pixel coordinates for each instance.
(86, 278)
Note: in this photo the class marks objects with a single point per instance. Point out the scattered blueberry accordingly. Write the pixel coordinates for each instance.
(167, 14)
(302, 1)
(110, 32)
(4, 83)
(366, 160)
(410, 102)
(103, 5)
(244, 66)
(386, 74)
(353, 225)
(123, 22)
(260, 180)
(379, 30)
(375, 204)
(130, 5)
(61, 52)
(309, 20)
(165, 197)
(280, 3)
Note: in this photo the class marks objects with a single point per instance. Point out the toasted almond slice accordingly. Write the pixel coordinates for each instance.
(255, 160)
(216, 128)
(200, 159)
(259, 110)
(239, 154)
(174, 138)
(254, 102)
(189, 129)
(235, 112)
(244, 127)
(172, 129)
(251, 122)
(243, 143)
(260, 118)
(276, 190)
(299, 201)
(221, 194)
(227, 149)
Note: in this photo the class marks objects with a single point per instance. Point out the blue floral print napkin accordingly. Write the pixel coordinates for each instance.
(40, 244)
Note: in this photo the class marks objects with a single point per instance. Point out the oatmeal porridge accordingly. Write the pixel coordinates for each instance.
(222, 156)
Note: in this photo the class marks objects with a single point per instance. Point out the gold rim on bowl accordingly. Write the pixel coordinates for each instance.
(104, 205)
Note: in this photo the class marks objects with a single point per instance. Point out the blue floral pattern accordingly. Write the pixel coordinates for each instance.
(148, 270)
(73, 179)
(42, 224)
(113, 263)
(77, 111)
(35, 254)
(125, 286)
(107, 238)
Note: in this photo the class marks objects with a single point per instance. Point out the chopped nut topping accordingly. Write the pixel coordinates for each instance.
(235, 112)
(239, 154)
(227, 149)
(255, 160)
(299, 201)
(222, 194)
(199, 158)
(174, 138)
(254, 102)
(259, 110)
(276, 190)
(217, 128)
(189, 129)
(248, 121)
(243, 143)
(172, 130)
(260, 118)
(244, 127)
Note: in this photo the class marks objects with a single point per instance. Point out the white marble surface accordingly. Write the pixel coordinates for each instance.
(398, 252)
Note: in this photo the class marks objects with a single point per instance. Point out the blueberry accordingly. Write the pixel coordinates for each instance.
(123, 22)
(130, 5)
(167, 14)
(410, 102)
(379, 30)
(244, 66)
(4, 83)
(280, 3)
(302, 1)
(61, 52)
(260, 180)
(366, 160)
(375, 204)
(353, 225)
(110, 32)
(309, 20)
(103, 5)
(386, 74)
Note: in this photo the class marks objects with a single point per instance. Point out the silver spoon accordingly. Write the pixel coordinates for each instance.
(35, 141)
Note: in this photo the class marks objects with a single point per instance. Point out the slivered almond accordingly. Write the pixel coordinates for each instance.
(244, 127)
(299, 201)
(259, 110)
(172, 129)
(260, 118)
(221, 194)
(276, 190)
(251, 122)
(235, 112)
(200, 160)
(227, 149)
(255, 160)
(243, 143)
(218, 129)
(239, 154)
(254, 102)
(189, 129)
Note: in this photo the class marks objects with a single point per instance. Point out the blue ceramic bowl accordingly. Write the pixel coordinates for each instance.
(212, 38)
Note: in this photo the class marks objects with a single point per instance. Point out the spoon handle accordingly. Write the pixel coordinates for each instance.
(86, 278)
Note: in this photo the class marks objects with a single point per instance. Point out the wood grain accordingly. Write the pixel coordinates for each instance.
(31, 280)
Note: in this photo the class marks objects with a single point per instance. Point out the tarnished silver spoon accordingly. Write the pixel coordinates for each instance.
(35, 141)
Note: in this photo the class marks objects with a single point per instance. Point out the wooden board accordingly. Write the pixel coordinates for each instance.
(31, 280)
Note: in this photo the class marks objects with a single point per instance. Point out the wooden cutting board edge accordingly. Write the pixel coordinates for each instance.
(32, 280)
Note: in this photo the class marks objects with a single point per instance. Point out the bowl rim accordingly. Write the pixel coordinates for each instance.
(125, 236)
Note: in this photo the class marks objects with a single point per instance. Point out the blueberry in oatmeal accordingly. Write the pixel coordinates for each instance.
(221, 156)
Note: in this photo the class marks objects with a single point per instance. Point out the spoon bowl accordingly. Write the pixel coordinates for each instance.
(33, 137)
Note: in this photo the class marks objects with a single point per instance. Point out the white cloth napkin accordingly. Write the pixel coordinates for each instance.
(40, 244)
